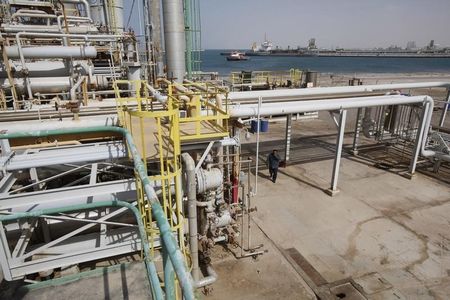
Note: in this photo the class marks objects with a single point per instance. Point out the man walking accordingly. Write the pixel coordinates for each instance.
(273, 162)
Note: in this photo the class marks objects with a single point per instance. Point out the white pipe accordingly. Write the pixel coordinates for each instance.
(51, 124)
(258, 126)
(284, 108)
(189, 168)
(290, 93)
(210, 279)
(73, 90)
(429, 106)
(32, 15)
(158, 96)
(48, 52)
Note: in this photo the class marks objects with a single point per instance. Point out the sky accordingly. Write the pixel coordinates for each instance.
(236, 24)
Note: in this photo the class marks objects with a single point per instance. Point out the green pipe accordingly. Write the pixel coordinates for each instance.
(169, 279)
(169, 242)
(151, 269)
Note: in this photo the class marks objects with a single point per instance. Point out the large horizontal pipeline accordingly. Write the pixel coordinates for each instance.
(51, 84)
(98, 121)
(284, 108)
(50, 52)
(295, 93)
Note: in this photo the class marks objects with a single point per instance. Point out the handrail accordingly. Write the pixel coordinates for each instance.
(175, 255)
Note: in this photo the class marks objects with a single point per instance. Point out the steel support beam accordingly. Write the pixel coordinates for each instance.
(6, 183)
(287, 147)
(417, 145)
(337, 160)
(5, 147)
(202, 159)
(358, 124)
(124, 190)
(445, 109)
(65, 155)
(121, 241)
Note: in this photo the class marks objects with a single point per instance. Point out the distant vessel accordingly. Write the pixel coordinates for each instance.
(237, 56)
(430, 51)
(264, 48)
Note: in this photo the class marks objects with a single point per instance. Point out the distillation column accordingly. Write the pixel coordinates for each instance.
(175, 42)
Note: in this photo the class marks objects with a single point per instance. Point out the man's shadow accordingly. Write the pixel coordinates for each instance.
(263, 175)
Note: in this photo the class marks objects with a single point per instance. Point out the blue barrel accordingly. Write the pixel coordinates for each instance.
(263, 126)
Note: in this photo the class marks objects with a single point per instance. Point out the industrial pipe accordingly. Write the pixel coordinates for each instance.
(73, 90)
(51, 52)
(32, 15)
(158, 96)
(189, 166)
(168, 240)
(284, 108)
(292, 93)
(208, 280)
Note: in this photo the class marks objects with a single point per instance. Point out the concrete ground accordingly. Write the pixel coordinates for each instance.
(385, 235)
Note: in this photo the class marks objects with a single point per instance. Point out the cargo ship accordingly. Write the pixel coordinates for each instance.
(430, 51)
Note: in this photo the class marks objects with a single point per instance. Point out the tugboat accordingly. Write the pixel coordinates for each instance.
(236, 56)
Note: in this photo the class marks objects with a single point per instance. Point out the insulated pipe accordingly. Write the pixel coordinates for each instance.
(73, 90)
(290, 93)
(85, 3)
(284, 108)
(150, 265)
(168, 239)
(174, 39)
(158, 96)
(53, 124)
(208, 280)
(32, 15)
(48, 52)
(189, 166)
(39, 84)
(429, 106)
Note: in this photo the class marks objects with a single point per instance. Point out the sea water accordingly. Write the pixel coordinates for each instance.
(212, 61)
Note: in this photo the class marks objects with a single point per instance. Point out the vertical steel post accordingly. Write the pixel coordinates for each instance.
(258, 128)
(188, 33)
(337, 160)
(417, 146)
(287, 147)
(357, 131)
(444, 110)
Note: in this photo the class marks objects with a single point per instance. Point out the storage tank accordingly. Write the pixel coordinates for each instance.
(311, 79)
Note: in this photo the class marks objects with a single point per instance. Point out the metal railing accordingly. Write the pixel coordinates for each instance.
(173, 257)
